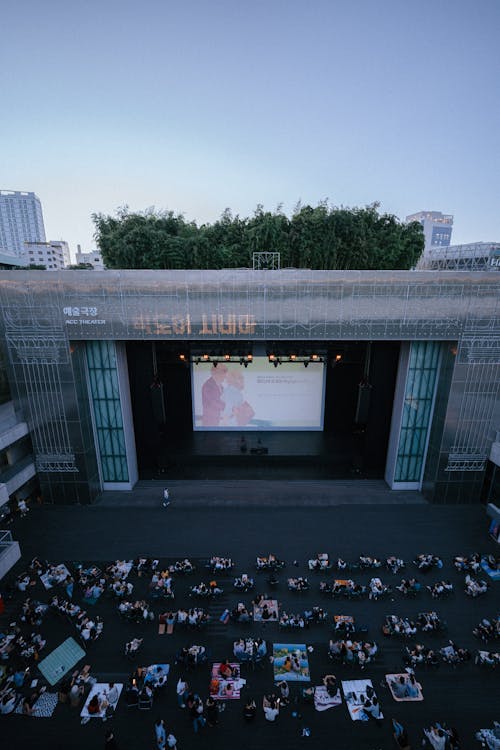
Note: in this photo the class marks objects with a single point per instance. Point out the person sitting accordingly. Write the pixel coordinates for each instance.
(8, 701)
(94, 705)
(331, 685)
(112, 693)
(133, 646)
(270, 705)
(436, 736)
(284, 692)
(243, 582)
(399, 687)
(371, 707)
(412, 687)
(394, 564)
(475, 587)
(239, 648)
(226, 671)
(249, 710)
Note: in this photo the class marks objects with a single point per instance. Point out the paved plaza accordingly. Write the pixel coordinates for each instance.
(200, 522)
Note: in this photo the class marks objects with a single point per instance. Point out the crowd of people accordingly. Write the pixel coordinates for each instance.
(345, 650)
(352, 652)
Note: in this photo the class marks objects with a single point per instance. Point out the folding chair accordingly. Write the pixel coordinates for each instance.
(145, 704)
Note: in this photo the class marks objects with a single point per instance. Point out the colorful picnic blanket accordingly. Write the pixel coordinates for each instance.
(390, 678)
(272, 607)
(290, 662)
(226, 689)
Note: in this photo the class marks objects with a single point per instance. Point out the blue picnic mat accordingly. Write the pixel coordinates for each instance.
(61, 660)
(495, 574)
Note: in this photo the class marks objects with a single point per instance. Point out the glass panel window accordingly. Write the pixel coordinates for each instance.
(103, 378)
(421, 382)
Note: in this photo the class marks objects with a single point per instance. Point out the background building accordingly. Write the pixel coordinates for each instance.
(437, 228)
(21, 220)
(94, 258)
(474, 256)
(54, 255)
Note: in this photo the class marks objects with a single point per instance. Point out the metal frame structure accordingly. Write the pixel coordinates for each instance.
(47, 318)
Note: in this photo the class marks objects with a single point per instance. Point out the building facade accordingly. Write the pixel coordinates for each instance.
(81, 348)
(92, 258)
(21, 220)
(473, 256)
(54, 255)
(437, 229)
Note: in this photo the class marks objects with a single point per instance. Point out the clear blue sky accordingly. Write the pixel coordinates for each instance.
(195, 106)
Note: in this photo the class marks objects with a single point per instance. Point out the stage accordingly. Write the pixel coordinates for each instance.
(263, 455)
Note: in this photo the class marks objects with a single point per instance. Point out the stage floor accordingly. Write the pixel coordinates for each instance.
(268, 455)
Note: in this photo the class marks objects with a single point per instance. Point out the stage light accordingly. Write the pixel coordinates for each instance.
(314, 357)
(293, 357)
(227, 357)
(249, 357)
(338, 357)
(182, 357)
(206, 357)
(272, 357)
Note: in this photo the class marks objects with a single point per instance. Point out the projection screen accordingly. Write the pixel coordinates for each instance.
(258, 397)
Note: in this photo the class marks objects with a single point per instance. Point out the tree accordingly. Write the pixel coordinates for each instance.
(321, 237)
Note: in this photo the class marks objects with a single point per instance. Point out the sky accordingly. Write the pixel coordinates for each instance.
(196, 106)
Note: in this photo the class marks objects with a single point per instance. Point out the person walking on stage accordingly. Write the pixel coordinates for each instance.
(166, 498)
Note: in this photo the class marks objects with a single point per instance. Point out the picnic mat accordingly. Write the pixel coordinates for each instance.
(99, 688)
(43, 707)
(223, 690)
(284, 656)
(60, 661)
(59, 574)
(323, 701)
(389, 679)
(494, 574)
(355, 696)
(272, 605)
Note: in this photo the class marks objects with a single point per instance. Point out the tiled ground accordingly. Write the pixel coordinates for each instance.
(466, 697)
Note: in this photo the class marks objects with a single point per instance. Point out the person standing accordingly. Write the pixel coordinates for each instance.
(182, 692)
(69, 587)
(211, 711)
(166, 498)
(196, 712)
(160, 734)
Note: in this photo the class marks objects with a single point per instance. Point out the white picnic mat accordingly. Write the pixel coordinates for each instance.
(58, 575)
(100, 688)
(355, 696)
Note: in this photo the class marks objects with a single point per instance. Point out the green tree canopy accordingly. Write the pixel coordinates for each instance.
(321, 237)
